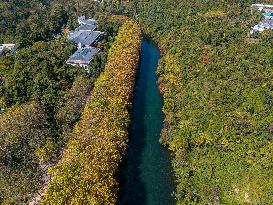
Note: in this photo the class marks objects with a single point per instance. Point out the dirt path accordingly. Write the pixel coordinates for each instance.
(37, 198)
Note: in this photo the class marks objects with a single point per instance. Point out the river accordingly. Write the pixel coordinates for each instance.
(145, 175)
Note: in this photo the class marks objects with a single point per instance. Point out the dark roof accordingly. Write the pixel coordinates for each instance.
(83, 55)
(82, 20)
(86, 37)
(89, 21)
(86, 27)
(268, 21)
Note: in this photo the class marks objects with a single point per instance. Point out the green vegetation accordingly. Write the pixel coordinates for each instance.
(38, 75)
(216, 84)
(85, 174)
(34, 79)
(73, 103)
(23, 128)
(25, 22)
(217, 89)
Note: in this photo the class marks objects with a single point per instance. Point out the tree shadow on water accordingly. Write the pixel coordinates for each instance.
(131, 187)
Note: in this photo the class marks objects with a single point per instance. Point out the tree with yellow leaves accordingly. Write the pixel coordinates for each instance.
(85, 173)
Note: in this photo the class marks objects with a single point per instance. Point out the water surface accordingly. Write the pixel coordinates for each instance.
(145, 177)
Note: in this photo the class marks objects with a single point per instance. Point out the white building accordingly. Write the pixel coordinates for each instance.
(85, 37)
(85, 34)
(82, 20)
(267, 22)
(4, 47)
(82, 57)
(262, 6)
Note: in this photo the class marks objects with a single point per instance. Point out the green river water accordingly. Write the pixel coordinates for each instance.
(145, 177)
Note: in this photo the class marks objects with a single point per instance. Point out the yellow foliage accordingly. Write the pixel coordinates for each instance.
(85, 174)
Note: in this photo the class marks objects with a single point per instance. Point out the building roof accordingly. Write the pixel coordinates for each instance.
(268, 13)
(80, 29)
(73, 34)
(262, 5)
(84, 34)
(83, 55)
(1, 50)
(86, 27)
(82, 20)
(266, 23)
(8, 47)
(90, 21)
(86, 38)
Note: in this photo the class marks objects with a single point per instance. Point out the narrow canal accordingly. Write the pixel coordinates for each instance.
(145, 177)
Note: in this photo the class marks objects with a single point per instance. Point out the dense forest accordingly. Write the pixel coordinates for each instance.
(217, 88)
(101, 132)
(24, 22)
(41, 97)
(215, 79)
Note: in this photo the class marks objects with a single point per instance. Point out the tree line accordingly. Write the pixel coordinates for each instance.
(86, 172)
